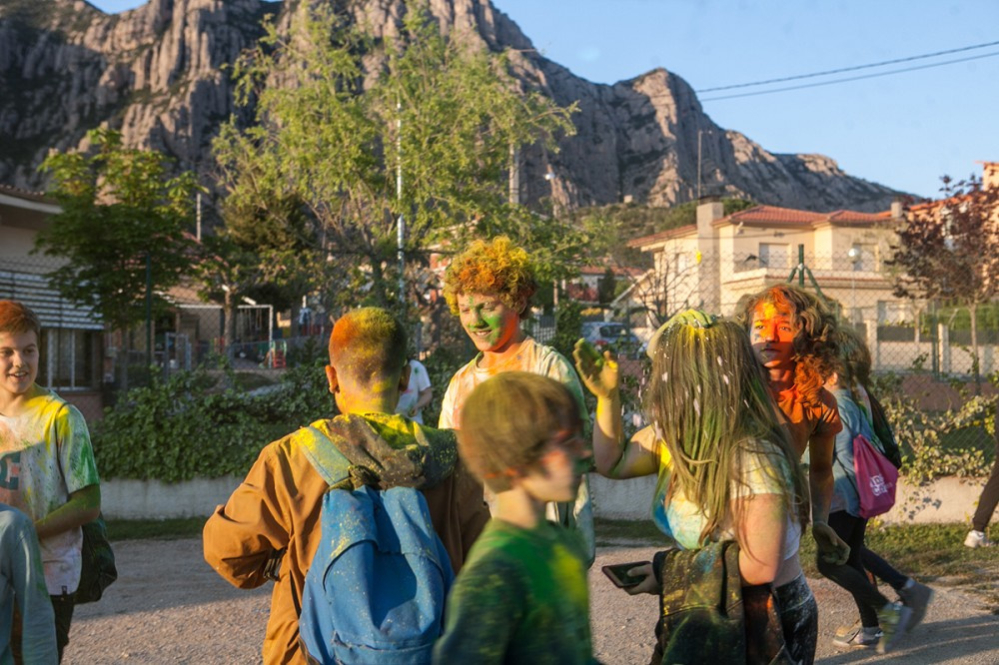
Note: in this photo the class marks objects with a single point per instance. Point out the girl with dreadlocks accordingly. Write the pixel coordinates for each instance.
(726, 469)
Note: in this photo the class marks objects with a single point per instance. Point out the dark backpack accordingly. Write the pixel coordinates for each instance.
(884, 432)
(376, 588)
(97, 570)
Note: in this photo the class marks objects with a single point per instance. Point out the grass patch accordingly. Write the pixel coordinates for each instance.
(168, 529)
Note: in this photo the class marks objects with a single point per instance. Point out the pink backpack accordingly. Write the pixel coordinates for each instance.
(876, 478)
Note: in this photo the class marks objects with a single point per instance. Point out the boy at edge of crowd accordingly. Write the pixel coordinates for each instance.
(522, 596)
(47, 468)
(269, 528)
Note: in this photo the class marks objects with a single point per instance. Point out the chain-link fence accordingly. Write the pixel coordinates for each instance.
(924, 352)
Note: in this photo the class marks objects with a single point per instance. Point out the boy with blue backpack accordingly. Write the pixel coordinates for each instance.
(274, 522)
(522, 596)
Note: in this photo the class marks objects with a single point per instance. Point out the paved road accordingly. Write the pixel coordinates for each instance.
(170, 607)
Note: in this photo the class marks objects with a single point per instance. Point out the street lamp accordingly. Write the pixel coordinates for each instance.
(854, 255)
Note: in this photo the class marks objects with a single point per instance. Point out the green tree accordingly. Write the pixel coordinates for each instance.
(949, 250)
(121, 226)
(227, 273)
(352, 116)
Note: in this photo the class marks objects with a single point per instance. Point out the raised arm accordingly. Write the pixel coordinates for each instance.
(613, 456)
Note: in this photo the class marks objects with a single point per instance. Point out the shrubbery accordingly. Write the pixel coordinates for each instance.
(191, 425)
(925, 437)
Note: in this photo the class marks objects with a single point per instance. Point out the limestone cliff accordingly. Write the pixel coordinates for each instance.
(157, 74)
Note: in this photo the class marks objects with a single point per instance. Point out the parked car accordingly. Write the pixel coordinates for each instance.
(612, 335)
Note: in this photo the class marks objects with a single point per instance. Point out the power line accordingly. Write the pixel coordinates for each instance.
(841, 70)
(852, 78)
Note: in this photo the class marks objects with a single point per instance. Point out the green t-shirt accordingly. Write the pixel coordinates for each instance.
(520, 598)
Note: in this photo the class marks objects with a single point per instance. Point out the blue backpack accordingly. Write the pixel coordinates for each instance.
(376, 589)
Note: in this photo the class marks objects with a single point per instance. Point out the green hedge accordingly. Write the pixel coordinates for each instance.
(194, 424)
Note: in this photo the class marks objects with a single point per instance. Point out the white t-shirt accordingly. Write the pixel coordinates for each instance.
(45, 455)
(419, 380)
(686, 519)
(530, 357)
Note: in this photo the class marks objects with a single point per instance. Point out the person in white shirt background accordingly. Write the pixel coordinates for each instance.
(418, 394)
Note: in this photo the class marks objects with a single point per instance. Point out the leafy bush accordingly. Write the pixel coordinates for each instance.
(174, 430)
(925, 437)
(193, 425)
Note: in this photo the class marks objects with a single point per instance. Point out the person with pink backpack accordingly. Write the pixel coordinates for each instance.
(864, 486)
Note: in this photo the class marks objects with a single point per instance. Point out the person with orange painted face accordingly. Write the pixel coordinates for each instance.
(792, 333)
(489, 287)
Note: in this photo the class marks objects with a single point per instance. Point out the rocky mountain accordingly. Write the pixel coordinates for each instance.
(157, 74)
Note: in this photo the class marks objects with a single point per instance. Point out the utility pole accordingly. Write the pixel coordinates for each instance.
(401, 230)
(699, 134)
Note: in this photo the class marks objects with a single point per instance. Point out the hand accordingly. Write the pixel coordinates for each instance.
(831, 547)
(648, 585)
(599, 373)
(411, 413)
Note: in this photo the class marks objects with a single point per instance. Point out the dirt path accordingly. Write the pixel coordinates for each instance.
(168, 606)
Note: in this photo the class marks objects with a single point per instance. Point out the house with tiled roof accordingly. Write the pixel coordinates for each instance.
(72, 357)
(721, 259)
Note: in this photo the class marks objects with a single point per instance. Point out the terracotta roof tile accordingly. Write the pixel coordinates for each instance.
(662, 235)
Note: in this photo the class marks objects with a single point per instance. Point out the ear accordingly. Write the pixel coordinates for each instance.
(331, 379)
(404, 376)
(520, 306)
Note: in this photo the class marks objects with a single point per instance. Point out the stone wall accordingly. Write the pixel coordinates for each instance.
(946, 500)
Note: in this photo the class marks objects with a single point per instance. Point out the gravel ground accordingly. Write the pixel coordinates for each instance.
(168, 606)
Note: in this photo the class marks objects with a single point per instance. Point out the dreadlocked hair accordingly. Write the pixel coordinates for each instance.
(709, 402)
(814, 342)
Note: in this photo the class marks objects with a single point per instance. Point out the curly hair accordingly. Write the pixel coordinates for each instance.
(709, 402)
(497, 267)
(507, 422)
(815, 341)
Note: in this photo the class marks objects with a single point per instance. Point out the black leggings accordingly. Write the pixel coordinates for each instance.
(852, 576)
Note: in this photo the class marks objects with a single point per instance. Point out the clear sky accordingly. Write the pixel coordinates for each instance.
(903, 130)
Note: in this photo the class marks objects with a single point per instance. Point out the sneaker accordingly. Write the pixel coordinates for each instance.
(856, 637)
(977, 539)
(894, 619)
(916, 597)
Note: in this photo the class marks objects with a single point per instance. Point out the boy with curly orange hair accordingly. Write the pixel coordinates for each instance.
(489, 287)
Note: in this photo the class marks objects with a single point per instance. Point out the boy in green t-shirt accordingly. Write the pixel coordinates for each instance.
(522, 595)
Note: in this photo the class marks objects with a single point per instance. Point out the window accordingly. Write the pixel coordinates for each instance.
(893, 312)
(775, 255)
(69, 359)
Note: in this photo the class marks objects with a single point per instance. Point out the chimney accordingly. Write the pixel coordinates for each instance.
(897, 209)
(709, 209)
(990, 174)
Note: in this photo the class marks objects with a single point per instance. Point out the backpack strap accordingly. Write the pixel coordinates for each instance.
(326, 458)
